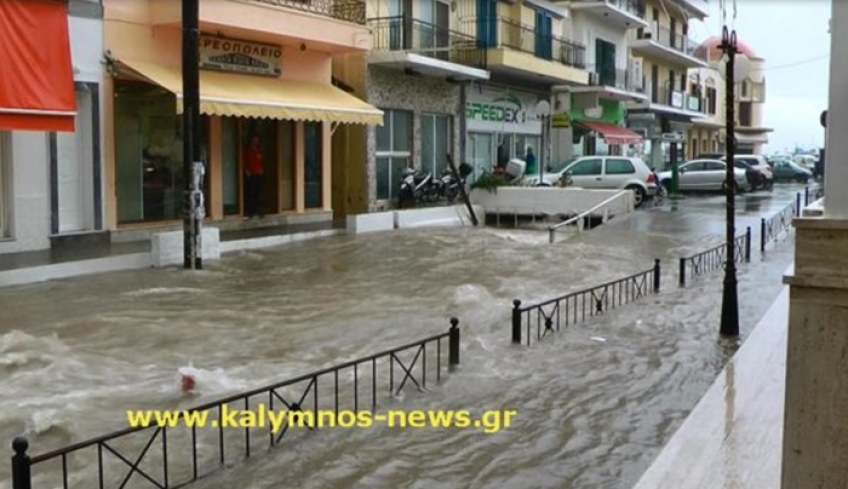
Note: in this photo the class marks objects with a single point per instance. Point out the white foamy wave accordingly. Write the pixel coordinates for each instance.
(526, 237)
(163, 291)
(209, 381)
(468, 294)
(44, 420)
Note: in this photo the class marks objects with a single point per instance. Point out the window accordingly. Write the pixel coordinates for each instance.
(313, 166)
(714, 166)
(586, 167)
(393, 152)
(619, 167)
(487, 23)
(711, 100)
(605, 62)
(695, 166)
(435, 143)
(745, 114)
(149, 153)
(705, 146)
(672, 33)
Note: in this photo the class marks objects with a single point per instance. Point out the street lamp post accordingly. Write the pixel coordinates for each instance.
(192, 167)
(730, 301)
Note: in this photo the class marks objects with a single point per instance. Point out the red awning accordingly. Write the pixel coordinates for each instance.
(36, 75)
(612, 134)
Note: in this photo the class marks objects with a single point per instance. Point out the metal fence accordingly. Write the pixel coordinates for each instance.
(552, 315)
(347, 10)
(773, 227)
(714, 258)
(408, 34)
(168, 457)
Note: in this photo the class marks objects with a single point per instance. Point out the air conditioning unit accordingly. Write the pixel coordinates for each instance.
(594, 79)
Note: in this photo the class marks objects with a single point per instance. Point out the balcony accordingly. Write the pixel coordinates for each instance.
(329, 26)
(671, 102)
(672, 47)
(614, 84)
(411, 44)
(346, 10)
(624, 14)
(519, 51)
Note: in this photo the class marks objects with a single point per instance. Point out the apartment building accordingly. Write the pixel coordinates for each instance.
(666, 54)
(50, 137)
(615, 77)
(707, 134)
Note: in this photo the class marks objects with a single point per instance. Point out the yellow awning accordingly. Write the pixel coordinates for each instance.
(229, 94)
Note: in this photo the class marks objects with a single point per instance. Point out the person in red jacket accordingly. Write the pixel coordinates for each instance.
(253, 178)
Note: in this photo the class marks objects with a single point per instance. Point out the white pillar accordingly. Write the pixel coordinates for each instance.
(836, 172)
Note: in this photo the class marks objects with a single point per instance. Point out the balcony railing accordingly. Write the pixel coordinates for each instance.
(621, 79)
(346, 10)
(672, 39)
(415, 36)
(632, 7)
(676, 99)
(503, 32)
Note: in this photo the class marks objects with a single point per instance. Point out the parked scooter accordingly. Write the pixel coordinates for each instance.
(416, 187)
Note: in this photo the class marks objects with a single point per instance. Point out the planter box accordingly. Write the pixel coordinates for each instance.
(539, 200)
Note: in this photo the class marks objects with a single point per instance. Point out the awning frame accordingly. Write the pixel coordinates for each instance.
(624, 135)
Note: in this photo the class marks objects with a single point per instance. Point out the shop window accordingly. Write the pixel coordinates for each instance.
(313, 166)
(148, 153)
(230, 168)
(523, 143)
(435, 143)
(393, 152)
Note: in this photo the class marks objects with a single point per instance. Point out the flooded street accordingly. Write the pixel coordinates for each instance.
(595, 403)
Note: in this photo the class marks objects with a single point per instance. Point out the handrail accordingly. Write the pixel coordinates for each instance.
(553, 228)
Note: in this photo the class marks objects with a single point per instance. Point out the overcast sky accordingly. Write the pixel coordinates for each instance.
(792, 36)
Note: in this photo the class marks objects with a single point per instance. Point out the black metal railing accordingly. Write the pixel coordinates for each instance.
(346, 10)
(635, 8)
(672, 39)
(167, 457)
(509, 33)
(676, 98)
(551, 315)
(413, 35)
(715, 258)
(773, 227)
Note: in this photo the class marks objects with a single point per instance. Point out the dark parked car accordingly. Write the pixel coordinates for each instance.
(785, 170)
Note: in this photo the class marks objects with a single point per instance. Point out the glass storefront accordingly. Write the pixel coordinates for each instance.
(435, 143)
(313, 167)
(149, 153)
(482, 149)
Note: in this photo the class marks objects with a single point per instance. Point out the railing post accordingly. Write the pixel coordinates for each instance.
(656, 275)
(806, 196)
(453, 349)
(762, 235)
(748, 245)
(516, 322)
(798, 204)
(21, 478)
(551, 233)
(683, 272)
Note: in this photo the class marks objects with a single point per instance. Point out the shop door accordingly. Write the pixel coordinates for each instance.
(482, 156)
(266, 131)
(75, 170)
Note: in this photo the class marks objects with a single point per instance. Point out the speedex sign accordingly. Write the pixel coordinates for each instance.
(500, 110)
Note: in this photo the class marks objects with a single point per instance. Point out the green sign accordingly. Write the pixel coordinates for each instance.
(504, 109)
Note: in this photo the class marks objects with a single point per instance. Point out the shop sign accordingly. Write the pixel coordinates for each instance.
(677, 99)
(693, 103)
(240, 56)
(501, 110)
(561, 120)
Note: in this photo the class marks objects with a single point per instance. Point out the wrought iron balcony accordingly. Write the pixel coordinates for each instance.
(415, 36)
(676, 99)
(346, 10)
(504, 32)
(672, 39)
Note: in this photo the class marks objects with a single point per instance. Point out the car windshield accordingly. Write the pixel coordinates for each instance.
(556, 168)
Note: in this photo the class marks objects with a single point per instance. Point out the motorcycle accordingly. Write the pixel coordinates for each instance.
(416, 187)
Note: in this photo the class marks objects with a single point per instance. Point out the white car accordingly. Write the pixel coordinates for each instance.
(806, 161)
(704, 175)
(603, 172)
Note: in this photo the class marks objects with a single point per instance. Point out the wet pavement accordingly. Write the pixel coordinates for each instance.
(596, 403)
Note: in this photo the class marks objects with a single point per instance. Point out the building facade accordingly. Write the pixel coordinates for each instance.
(666, 54)
(615, 77)
(50, 133)
(266, 93)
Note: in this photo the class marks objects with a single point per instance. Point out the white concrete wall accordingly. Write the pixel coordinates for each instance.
(86, 48)
(166, 249)
(28, 202)
(436, 217)
(836, 142)
(587, 28)
(539, 200)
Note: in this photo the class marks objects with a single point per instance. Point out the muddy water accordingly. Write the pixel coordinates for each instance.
(595, 404)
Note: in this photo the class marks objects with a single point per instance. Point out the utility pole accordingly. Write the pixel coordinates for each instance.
(730, 300)
(193, 170)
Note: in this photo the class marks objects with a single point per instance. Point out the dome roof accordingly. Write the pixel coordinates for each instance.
(712, 48)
